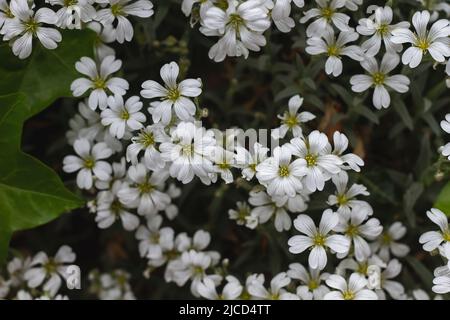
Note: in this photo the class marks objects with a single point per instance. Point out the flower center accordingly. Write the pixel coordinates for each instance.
(378, 78)
(291, 121)
(31, 26)
(8, 13)
(99, 83)
(386, 239)
(69, 3)
(146, 139)
(319, 240)
(116, 207)
(173, 94)
(362, 268)
(89, 163)
(333, 51)
(348, 295)
(275, 296)
(154, 237)
(283, 171)
(198, 270)
(311, 160)
(145, 187)
(422, 44)
(253, 167)
(125, 115)
(171, 254)
(383, 29)
(313, 284)
(446, 235)
(235, 21)
(327, 13)
(116, 10)
(187, 150)
(243, 213)
(352, 230)
(342, 199)
(224, 166)
(50, 267)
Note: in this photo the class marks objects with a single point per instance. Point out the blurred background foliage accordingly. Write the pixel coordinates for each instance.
(403, 171)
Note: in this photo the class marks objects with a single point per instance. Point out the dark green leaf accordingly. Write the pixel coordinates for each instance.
(31, 193)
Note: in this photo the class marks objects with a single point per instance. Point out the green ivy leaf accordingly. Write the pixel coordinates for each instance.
(443, 200)
(32, 194)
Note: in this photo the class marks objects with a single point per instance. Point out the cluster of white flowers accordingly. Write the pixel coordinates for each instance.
(241, 26)
(39, 277)
(438, 242)
(111, 286)
(130, 158)
(21, 21)
(445, 124)
(169, 144)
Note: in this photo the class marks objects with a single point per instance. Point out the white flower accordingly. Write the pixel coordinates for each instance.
(144, 192)
(242, 215)
(109, 209)
(310, 287)
(394, 288)
(291, 120)
(267, 207)
(379, 78)
(231, 291)
(280, 14)
(49, 270)
(356, 229)
(361, 267)
(350, 160)
(173, 94)
(147, 139)
(88, 162)
(122, 117)
(5, 14)
(432, 239)
(353, 290)
(100, 81)
(27, 24)
(281, 175)
(188, 153)
(344, 197)
(445, 125)
(249, 160)
(379, 27)
(387, 242)
(240, 27)
(154, 240)
(441, 284)
(276, 291)
(105, 34)
(318, 238)
(320, 164)
(119, 171)
(335, 49)
(423, 41)
(192, 265)
(16, 270)
(73, 12)
(326, 14)
(435, 6)
(223, 162)
(119, 10)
